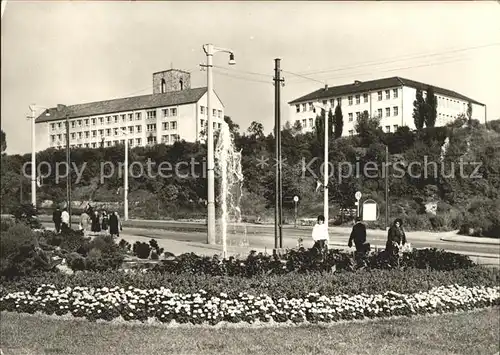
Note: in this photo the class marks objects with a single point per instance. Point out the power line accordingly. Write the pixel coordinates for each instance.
(244, 71)
(243, 78)
(401, 58)
(390, 70)
(304, 77)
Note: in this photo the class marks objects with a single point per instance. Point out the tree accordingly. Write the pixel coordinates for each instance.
(368, 129)
(3, 141)
(233, 127)
(320, 127)
(430, 108)
(339, 122)
(469, 111)
(256, 130)
(419, 110)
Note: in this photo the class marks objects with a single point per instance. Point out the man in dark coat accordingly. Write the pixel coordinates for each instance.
(56, 218)
(114, 224)
(358, 235)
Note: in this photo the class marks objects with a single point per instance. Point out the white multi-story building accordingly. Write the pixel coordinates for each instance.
(174, 111)
(391, 99)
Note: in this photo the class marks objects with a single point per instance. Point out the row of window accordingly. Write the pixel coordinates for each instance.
(350, 99)
(138, 142)
(151, 114)
(395, 111)
(215, 112)
(387, 129)
(204, 123)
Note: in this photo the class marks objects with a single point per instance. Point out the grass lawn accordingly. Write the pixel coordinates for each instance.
(465, 333)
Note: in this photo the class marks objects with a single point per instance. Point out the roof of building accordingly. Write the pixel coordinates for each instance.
(378, 84)
(125, 104)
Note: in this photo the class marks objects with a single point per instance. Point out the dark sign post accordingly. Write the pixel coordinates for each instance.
(295, 200)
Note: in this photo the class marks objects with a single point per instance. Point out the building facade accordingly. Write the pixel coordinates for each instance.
(390, 99)
(174, 111)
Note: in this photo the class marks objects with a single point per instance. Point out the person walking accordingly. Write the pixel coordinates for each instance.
(114, 224)
(396, 237)
(358, 235)
(320, 234)
(96, 225)
(84, 222)
(65, 227)
(105, 221)
(56, 218)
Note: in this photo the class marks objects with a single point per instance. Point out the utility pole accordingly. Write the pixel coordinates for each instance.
(63, 108)
(33, 157)
(278, 215)
(386, 187)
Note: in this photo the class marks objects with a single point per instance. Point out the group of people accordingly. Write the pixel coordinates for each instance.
(90, 221)
(396, 237)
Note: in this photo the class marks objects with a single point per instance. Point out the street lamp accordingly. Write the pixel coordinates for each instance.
(325, 107)
(33, 109)
(210, 50)
(125, 179)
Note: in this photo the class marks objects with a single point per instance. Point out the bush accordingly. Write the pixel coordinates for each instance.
(482, 219)
(291, 285)
(142, 250)
(26, 214)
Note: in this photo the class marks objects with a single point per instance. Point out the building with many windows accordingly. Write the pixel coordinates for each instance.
(391, 99)
(174, 111)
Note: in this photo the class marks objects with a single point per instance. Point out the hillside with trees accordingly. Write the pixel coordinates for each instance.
(464, 182)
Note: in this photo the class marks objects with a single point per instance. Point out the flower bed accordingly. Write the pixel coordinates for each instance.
(165, 306)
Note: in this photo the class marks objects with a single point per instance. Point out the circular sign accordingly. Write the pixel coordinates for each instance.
(357, 195)
(296, 198)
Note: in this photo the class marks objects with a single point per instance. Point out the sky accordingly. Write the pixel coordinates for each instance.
(72, 52)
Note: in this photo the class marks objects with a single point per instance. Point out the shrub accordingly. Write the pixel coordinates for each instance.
(482, 219)
(142, 250)
(26, 213)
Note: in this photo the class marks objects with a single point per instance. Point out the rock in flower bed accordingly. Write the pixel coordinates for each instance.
(165, 306)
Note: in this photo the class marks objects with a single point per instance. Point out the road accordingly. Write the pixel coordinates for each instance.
(262, 236)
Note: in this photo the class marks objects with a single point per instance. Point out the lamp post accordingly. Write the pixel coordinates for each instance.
(125, 179)
(32, 117)
(210, 50)
(325, 203)
(63, 109)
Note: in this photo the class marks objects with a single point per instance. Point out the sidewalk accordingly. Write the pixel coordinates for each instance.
(474, 240)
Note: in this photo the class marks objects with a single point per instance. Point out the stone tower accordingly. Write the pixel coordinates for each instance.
(171, 80)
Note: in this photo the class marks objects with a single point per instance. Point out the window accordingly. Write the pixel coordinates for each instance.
(123, 118)
(202, 110)
(108, 119)
(138, 116)
(297, 108)
(351, 132)
(396, 127)
(214, 112)
(365, 97)
(131, 142)
(380, 95)
(138, 128)
(350, 117)
(339, 101)
(387, 94)
(173, 125)
(79, 135)
(80, 145)
(108, 132)
(387, 111)
(93, 145)
(396, 110)
(311, 122)
(311, 107)
(165, 126)
(395, 93)
(59, 125)
(218, 125)
(53, 137)
(219, 113)
(151, 127)
(101, 120)
(79, 123)
(115, 131)
(304, 123)
(131, 129)
(164, 112)
(388, 129)
(86, 145)
(350, 100)
(163, 86)
(101, 132)
(379, 112)
(59, 136)
(202, 123)
(151, 114)
(87, 134)
(73, 124)
(115, 118)
(332, 102)
(108, 143)
(52, 126)
(174, 137)
(358, 99)
(357, 115)
(73, 136)
(130, 117)
(94, 133)
(138, 141)
(303, 107)
(213, 125)
(122, 141)
(173, 112)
